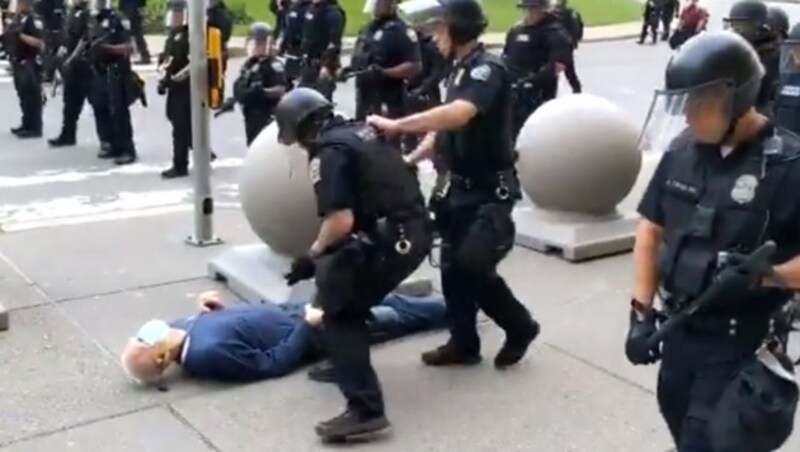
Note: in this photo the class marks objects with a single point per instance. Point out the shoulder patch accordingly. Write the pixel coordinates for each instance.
(314, 171)
(481, 73)
(38, 24)
(277, 66)
(412, 35)
(126, 24)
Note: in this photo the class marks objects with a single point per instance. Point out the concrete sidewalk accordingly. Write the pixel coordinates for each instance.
(591, 34)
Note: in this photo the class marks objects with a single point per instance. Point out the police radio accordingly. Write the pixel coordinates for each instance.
(216, 78)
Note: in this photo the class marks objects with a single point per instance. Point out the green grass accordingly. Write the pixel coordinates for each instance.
(502, 14)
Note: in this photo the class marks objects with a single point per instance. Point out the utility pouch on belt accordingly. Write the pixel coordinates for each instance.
(489, 238)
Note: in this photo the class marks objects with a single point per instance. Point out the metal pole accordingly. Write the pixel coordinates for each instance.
(201, 150)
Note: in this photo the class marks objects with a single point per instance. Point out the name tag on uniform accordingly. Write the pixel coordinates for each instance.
(523, 38)
(791, 91)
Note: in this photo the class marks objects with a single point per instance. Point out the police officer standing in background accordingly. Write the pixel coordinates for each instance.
(176, 85)
(52, 14)
(374, 234)
(650, 19)
(670, 12)
(536, 51)
(218, 16)
(26, 35)
(749, 18)
(322, 45)
(787, 104)
(473, 209)
(778, 22)
(291, 48)
(572, 23)
(110, 57)
(76, 71)
(424, 90)
(261, 83)
(714, 197)
(132, 10)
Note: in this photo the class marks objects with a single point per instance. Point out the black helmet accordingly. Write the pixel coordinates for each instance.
(756, 411)
(778, 21)
(177, 5)
(295, 111)
(259, 31)
(749, 10)
(533, 3)
(717, 57)
(465, 20)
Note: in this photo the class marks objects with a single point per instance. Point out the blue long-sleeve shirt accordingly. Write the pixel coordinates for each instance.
(245, 342)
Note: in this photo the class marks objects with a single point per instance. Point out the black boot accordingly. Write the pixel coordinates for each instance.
(125, 159)
(29, 133)
(174, 172)
(18, 129)
(62, 140)
(516, 345)
(448, 355)
(350, 423)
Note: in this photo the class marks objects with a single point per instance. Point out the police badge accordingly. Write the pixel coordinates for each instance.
(744, 189)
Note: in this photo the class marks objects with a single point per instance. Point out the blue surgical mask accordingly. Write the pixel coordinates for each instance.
(153, 332)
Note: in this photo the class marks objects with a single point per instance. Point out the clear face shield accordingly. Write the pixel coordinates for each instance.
(702, 114)
(258, 47)
(175, 18)
(100, 5)
(421, 14)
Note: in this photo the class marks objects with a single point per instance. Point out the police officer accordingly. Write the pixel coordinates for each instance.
(110, 58)
(385, 56)
(52, 14)
(787, 104)
(424, 90)
(572, 22)
(749, 18)
(261, 82)
(218, 16)
(322, 44)
(778, 22)
(176, 85)
(723, 189)
(650, 18)
(668, 13)
(374, 234)
(26, 35)
(291, 48)
(76, 71)
(132, 10)
(536, 51)
(473, 208)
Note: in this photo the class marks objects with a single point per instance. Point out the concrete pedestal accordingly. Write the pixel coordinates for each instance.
(4, 321)
(255, 272)
(576, 237)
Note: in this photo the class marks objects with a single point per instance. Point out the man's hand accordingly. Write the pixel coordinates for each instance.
(303, 268)
(642, 326)
(385, 125)
(313, 315)
(210, 301)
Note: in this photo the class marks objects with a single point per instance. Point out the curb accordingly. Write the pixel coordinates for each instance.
(4, 320)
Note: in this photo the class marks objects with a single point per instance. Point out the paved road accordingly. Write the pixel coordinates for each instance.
(41, 185)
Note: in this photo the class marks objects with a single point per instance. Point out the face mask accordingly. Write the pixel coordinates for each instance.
(153, 332)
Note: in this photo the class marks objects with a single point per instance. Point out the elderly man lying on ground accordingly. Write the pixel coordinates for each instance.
(248, 342)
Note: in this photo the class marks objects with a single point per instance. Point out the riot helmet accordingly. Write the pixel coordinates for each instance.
(533, 10)
(380, 8)
(749, 19)
(298, 112)
(710, 83)
(533, 4)
(778, 21)
(757, 409)
(464, 19)
(259, 39)
(790, 53)
(176, 14)
(100, 5)
(77, 3)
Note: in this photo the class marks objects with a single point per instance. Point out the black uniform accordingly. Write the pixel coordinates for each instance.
(770, 56)
(258, 107)
(279, 9)
(351, 168)
(292, 43)
(178, 90)
(111, 96)
(27, 72)
(670, 12)
(322, 44)
(787, 104)
(652, 14)
(384, 43)
(424, 90)
(710, 202)
(52, 14)
(531, 52)
(132, 10)
(572, 23)
(474, 216)
(76, 71)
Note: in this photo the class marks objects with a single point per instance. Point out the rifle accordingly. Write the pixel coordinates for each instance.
(227, 106)
(754, 262)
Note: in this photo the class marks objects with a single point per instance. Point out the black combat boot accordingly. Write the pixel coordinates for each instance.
(516, 345)
(350, 423)
(449, 355)
(29, 133)
(125, 159)
(105, 151)
(62, 140)
(174, 172)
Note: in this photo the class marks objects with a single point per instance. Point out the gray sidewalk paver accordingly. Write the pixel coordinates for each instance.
(153, 430)
(15, 290)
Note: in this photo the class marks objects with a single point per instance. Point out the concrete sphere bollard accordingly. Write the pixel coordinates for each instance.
(277, 195)
(579, 154)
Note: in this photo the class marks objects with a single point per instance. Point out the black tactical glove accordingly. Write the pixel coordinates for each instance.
(303, 268)
(162, 87)
(636, 349)
(735, 281)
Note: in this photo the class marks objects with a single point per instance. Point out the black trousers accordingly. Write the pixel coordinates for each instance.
(28, 84)
(349, 282)
(650, 23)
(310, 78)
(525, 101)
(695, 370)
(466, 290)
(77, 88)
(666, 23)
(254, 122)
(110, 102)
(137, 31)
(180, 115)
(572, 76)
